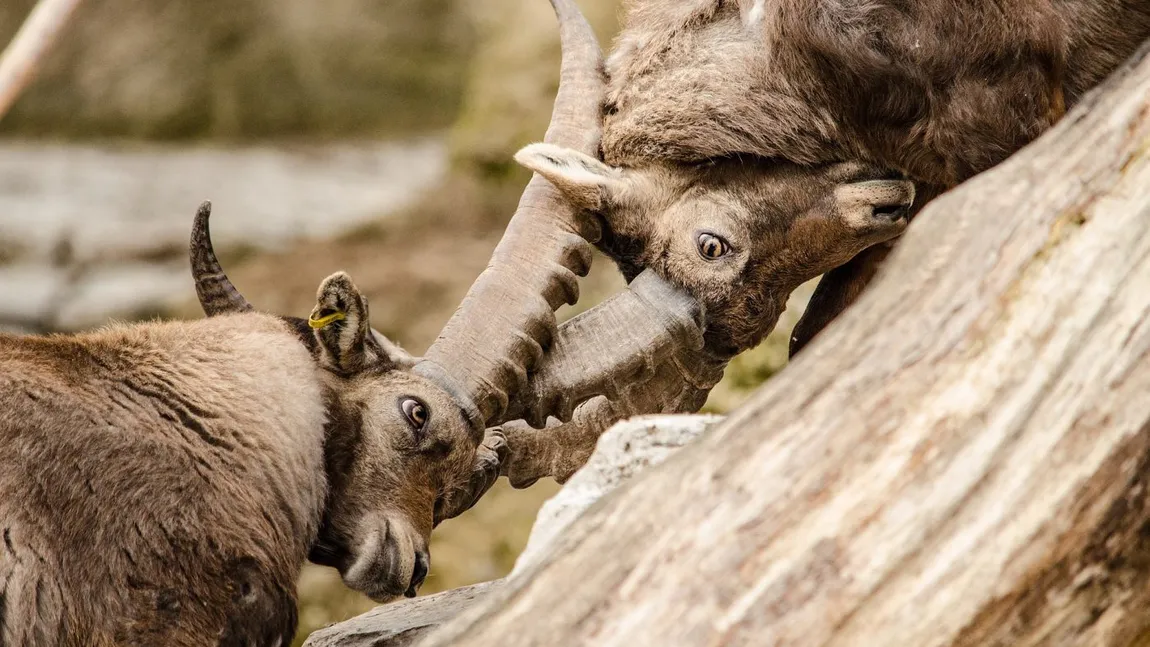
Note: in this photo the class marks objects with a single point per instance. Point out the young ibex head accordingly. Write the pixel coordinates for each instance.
(399, 449)
(738, 234)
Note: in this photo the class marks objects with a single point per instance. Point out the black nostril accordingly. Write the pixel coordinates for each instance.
(891, 212)
(422, 562)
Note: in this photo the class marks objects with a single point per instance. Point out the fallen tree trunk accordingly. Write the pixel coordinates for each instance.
(961, 459)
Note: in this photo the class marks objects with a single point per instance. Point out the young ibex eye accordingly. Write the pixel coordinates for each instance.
(712, 246)
(414, 411)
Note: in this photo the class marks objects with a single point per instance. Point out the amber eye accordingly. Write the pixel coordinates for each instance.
(414, 411)
(711, 246)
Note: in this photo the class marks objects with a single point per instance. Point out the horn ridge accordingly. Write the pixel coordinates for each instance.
(216, 293)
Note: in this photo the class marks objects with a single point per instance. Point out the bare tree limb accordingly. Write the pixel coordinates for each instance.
(20, 60)
(961, 459)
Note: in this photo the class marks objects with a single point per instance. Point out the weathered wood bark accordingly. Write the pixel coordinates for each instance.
(401, 623)
(23, 54)
(962, 459)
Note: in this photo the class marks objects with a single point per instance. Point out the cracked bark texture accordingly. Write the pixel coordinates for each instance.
(960, 459)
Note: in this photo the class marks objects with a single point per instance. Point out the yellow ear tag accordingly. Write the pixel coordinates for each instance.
(323, 321)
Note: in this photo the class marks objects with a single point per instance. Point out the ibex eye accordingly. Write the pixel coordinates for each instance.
(414, 411)
(711, 246)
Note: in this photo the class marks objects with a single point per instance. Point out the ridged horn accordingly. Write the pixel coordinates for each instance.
(508, 316)
(678, 384)
(216, 293)
(604, 351)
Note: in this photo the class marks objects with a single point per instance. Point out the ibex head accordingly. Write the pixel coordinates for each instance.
(738, 234)
(401, 445)
(401, 451)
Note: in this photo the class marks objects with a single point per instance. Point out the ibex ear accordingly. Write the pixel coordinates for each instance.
(585, 181)
(341, 325)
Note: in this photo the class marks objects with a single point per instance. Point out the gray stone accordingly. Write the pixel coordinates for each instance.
(130, 290)
(132, 201)
(627, 448)
(31, 292)
(90, 233)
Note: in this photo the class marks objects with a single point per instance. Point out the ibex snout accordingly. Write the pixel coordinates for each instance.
(391, 561)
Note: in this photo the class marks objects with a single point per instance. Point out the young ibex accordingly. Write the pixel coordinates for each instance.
(708, 95)
(162, 483)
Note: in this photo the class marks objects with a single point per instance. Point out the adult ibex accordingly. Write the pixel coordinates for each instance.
(937, 90)
(163, 482)
(741, 116)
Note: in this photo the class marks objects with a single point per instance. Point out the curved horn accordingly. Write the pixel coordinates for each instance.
(508, 316)
(217, 294)
(604, 351)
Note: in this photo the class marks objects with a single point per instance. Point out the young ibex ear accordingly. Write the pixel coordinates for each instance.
(585, 181)
(341, 325)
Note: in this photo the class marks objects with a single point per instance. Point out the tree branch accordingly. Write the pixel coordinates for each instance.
(20, 60)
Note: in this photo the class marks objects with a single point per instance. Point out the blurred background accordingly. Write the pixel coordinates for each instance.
(365, 135)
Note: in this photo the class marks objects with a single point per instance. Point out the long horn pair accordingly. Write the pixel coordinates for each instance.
(678, 384)
(507, 318)
(611, 348)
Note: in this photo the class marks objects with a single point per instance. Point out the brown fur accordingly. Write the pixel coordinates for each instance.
(162, 483)
(937, 89)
